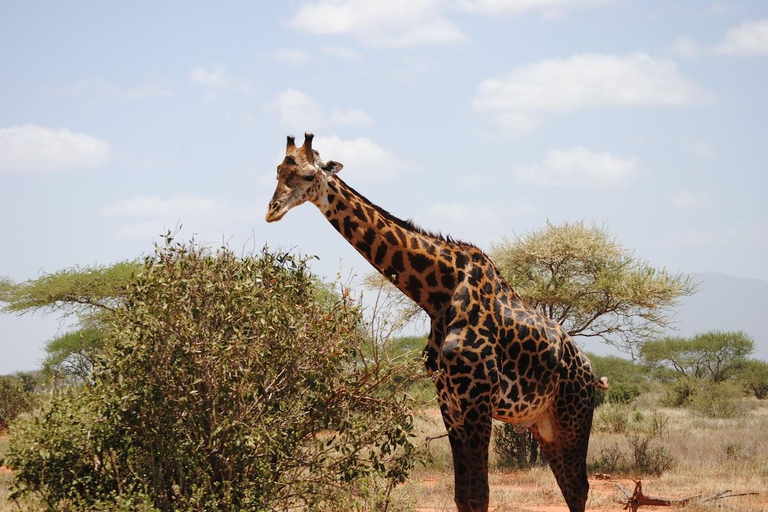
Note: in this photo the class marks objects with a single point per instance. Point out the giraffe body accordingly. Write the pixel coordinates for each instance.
(489, 354)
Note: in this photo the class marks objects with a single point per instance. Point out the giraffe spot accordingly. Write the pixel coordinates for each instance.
(462, 297)
(397, 261)
(437, 299)
(364, 248)
(350, 227)
(414, 286)
(369, 236)
(522, 363)
(431, 279)
(391, 238)
(359, 213)
(420, 262)
(450, 349)
(381, 252)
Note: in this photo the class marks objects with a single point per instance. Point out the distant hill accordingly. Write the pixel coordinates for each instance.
(727, 303)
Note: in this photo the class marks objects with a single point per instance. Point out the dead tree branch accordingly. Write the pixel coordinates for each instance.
(637, 499)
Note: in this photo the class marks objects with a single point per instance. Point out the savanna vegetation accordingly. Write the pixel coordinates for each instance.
(221, 383)
(198, 379)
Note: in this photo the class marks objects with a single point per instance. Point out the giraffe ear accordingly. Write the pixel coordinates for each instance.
(332, 167)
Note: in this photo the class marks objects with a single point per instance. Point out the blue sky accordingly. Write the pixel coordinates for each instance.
(477, 118)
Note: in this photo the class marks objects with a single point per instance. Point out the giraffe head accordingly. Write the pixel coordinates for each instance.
(299, 177)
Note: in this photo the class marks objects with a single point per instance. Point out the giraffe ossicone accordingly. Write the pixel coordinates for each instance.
(489, 354)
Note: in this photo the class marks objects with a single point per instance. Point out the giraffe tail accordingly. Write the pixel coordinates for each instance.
(601, 383)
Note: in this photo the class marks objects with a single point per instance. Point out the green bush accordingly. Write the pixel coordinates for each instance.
(719, 400)
(14, 399)
(640, 458)
(515, 450)
(612, 418)
(753, 375)
(680, 393)
(225, 385)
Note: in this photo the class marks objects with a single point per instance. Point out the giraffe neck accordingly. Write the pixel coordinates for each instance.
(425, 267)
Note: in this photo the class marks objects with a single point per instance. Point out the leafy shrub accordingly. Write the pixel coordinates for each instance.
(641, 459)
(513, 450)
(658, 424)
(753, 374)
(612, 418)
(680, 393)
(14, 399)
(719, 400)
(650, 460)
(225, 385)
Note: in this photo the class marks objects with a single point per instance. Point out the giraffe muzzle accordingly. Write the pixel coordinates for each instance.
(275, 211)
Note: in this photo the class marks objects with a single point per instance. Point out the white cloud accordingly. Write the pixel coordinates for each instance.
(353, 117)
(687, 200)
(146, 217)
(32, 148)
(517, 100)
(300, 112)
(218, 78)
(363, 159)
(391, 24)
(292, 56)
(104, 89)
(748, 39)
(686, 48)
(548, 8)
(341, 52)
(578, 167)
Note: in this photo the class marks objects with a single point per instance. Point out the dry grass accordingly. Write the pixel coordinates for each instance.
(712, 455)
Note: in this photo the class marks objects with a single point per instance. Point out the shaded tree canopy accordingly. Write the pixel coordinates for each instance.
(77, 290)
(90, 293)
(714, 355)
(580, 276)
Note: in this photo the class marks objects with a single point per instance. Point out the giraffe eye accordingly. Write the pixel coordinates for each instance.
(308, 177)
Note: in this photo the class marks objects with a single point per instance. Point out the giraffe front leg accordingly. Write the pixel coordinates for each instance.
(469, 436)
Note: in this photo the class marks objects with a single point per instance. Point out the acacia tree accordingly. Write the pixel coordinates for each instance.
(91, 294)
(713, 355)
(581, 277)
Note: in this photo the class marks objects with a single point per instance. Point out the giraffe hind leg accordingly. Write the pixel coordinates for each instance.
(566, 452)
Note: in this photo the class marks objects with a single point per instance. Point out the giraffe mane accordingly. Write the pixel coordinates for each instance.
(408, 225)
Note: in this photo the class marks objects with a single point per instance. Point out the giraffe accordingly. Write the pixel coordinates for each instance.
(489, 354)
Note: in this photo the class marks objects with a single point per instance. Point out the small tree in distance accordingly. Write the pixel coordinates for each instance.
(581, 277)
(91, 293)
(713, 355)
